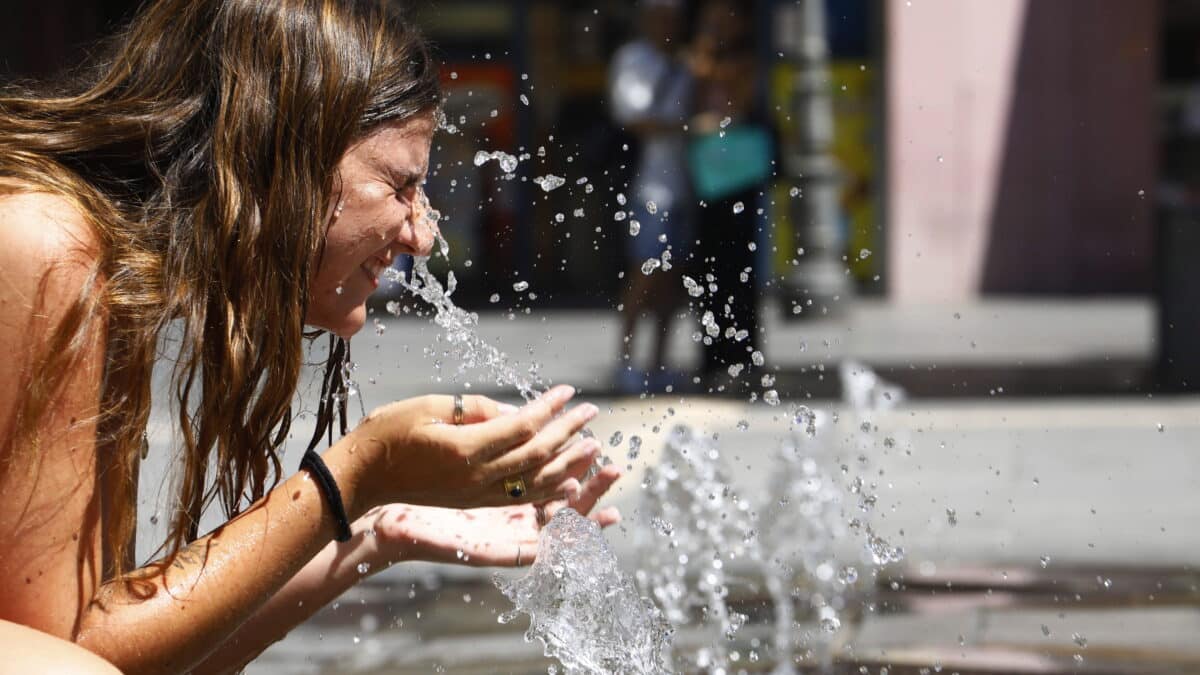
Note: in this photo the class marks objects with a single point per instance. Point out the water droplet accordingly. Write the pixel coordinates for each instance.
(743, 425)
(615, 439)
(635, 447)
(951, 517)
(1161, 428)
(520, 286)
(794, 192)
(1044, 560)
(771, 397)
(495, 298)
(621, 198)
(634, 227)
(524, 99)
(738, 207)
(848, 575)
(338, 290)
(864, 254)
(725, 122)
(662, 526)
(549, 182)
(363, 567)
(650, 265)
(1079, 640)
(830, 624)
(651, 207)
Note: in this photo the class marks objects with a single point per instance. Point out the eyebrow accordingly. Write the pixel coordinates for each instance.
(406, 175)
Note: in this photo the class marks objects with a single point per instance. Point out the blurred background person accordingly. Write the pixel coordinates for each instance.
(650, 93)
(730, 159)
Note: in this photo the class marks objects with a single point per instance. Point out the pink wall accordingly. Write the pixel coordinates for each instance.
(950, 66)
(1019, 135)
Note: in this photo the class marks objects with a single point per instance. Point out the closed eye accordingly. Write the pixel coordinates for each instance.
(409, 185)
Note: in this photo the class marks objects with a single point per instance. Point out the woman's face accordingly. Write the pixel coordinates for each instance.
(379, 216)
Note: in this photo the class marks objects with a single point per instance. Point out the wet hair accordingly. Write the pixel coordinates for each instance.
(202, 150)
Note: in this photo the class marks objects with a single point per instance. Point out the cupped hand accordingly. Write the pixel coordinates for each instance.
(504, 536)
(411, 452)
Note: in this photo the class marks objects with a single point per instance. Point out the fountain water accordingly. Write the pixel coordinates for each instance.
(693, 528)
(583, 608)
(698, 527)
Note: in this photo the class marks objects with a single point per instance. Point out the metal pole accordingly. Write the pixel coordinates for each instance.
(817, 282)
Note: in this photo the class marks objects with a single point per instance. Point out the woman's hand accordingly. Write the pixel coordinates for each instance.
(411, 452)
(498, 536)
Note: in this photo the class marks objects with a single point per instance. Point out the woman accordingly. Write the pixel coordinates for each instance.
(731, 158)
(650, 91)
(242, 170)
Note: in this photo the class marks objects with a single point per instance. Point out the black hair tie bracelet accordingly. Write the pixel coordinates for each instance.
(316, 466)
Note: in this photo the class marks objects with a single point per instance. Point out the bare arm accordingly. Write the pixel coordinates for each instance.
(330, 573)
(170, 618)
(402, 532)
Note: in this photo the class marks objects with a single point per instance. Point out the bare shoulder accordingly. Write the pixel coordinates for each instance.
(41, 232)
(47, 253)
(42, 222)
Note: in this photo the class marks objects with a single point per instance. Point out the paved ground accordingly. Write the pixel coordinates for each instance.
(990, 338)
(1113, 495)
(1097, 486)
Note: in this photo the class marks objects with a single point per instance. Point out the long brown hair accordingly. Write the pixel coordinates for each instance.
(203, 152)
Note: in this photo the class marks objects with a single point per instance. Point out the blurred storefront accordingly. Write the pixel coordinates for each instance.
(529, 78)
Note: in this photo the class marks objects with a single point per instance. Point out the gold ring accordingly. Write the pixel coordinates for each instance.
(458, 409)
(514, 487)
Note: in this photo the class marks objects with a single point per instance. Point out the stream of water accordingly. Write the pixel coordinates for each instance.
(692, 528)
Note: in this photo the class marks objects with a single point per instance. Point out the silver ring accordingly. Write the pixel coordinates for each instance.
(458, 409)
(518, 555)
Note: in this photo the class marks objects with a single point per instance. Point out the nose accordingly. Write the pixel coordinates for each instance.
(418, 234)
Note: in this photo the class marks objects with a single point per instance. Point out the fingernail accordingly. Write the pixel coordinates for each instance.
(587, 411)
(573, 489)
(564, 392)
(506, 408)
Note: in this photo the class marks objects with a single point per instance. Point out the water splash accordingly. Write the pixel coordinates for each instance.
(460, 337)
(590, 616)
(583, 609)
(699, 527)
(800, 524)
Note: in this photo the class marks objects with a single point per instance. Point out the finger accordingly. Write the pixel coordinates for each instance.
(545, 444)
(606, 516)
(595, 488)
(478, 409)
(475, 409)
(571, 463)
(503, 432)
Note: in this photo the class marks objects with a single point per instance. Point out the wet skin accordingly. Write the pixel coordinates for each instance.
(377, 215)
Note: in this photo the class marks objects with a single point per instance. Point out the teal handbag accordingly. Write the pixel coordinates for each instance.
(724, 165)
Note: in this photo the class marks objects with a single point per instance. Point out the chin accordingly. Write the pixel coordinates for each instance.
(351, 323)
(342, 325)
